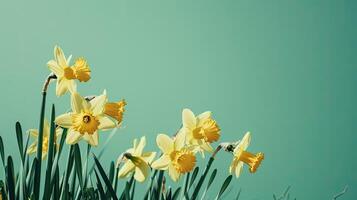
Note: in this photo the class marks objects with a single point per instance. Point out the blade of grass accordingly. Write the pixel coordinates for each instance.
(132, 190)
(10, 178)
(111, 177)
(238, 195)
(39, 148)
(2, 153)
(103, 149)
(185, 186)
(78, 164)
(99, 186)
(51, 146)
(194, 176)
(65, 186)
(211, 178)
(20, 141)
(202, 178)
(224, 186)
(105, 178)
(176, 193)
(159, 184)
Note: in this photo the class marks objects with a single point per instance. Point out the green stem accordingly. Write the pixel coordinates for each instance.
(39, 148)
(204, 175)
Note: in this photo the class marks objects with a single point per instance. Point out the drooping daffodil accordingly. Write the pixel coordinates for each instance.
(65, 73)
(201, 130)
(115, 110)
(176, 157)
(136, 161)
(86, 119)
(241, 156)
(46, 137)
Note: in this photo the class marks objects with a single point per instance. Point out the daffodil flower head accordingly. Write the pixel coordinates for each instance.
(201, 130)
(45, 142)
(67, 74)
(177, 158)
(115, 110)
(136, 161)
(86, 119)
(241, 156)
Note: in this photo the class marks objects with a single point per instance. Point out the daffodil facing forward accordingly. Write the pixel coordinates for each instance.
(46, 137)
(67, 74)
(85, 120)
(177, 158)
(136, 161)
(241, 156)
(201, 130)
(115, 110)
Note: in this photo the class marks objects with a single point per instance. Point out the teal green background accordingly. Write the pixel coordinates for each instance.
(284, 70)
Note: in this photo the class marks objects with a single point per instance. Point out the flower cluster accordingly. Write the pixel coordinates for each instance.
(88, 116)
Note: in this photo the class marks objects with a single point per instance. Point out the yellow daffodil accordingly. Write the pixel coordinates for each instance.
(115, 110)
(177, 158)
(85, 120)
(46, 136)
(241, 156)
(136, 161)
(201, 130)
(65, 73)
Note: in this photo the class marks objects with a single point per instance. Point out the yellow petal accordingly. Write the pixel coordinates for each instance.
(126, 169)
(46, 128)
(78, 103)
(44, 155)
(165, 143)
(33, 132)
(61, 87)
(180, 139)
(64, 120)
(57, 70)
(206, 146)
(162, 163)
(97, 104)
(92, 139)
(188, 119)
(239, 169)
(59, 56)
(71, 85)
(106, 123)
(141, 172)
(148, 156)
(203, 117)
(73, 137)
(244, 143)
(140, 147)
(32, 148)
(173, 173)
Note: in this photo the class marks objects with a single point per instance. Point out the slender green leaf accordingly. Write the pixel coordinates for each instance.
(20, 141)
(65, 186)
(39, 149)
(238, 195)
(159, 184)
(10, 177)
(51, 146)
(185, 186)
(104, 148)
(116, 179)
(224, 186)
(211, 178)
(194, 176)
(176, 193)
(105, 178)
(111, 177)
(2, 152)
(99, 186)
(202, 178)
(132, 190)
(78, 164)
